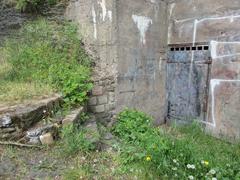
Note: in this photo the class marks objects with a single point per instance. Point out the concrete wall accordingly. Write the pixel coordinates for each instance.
(141, 67)
(217, 22)
(128, 41)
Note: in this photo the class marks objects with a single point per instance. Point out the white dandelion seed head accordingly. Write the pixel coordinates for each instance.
(212, 171)
(190, 177)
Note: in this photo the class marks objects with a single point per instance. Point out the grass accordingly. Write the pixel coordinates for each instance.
(49, 163)
(48, 57)
(14, 92)
(173, 153)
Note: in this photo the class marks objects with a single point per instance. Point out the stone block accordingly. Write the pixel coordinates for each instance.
(99, 109)
(92, 101)
(97, 91)
(5, 121)
(111, 97)
(102, 100)
(46, 139)
(110, 106)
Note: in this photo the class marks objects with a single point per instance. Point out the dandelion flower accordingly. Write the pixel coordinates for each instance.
(212, 171)
(190, 177)
(148, 158)
(191, 166)
(206, 163)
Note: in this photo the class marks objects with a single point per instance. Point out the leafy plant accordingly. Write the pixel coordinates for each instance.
(131, 124)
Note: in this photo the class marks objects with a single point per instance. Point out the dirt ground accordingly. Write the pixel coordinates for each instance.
(47, 163)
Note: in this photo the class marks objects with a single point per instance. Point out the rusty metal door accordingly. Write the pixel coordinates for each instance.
(188, 70)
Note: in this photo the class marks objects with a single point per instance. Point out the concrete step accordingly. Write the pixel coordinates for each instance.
(47, 132)
(14, 120)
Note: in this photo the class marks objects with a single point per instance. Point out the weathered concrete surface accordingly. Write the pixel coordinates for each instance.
(216, 23)
(209, 19)
(129, 40)
(141, 50)
(224, 102)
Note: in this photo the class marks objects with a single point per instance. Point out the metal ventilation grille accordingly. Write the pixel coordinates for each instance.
(189, 48)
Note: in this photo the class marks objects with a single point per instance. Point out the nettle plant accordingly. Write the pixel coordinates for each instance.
(51, 53)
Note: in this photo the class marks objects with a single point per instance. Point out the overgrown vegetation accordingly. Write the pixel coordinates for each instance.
(13, 91)
(49, 54)
(142, 152)
(185, 153)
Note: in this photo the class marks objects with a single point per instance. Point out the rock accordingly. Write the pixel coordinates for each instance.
(5, 121)
(34, 133)
(47, 139)
(108, 136)
(92, 133)
(34, 140)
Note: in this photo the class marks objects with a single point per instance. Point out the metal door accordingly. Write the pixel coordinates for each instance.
(188, 70)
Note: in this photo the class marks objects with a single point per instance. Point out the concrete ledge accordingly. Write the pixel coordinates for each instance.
(24, 116)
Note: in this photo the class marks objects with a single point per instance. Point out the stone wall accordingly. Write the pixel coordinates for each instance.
(12, 19)
(98, 27)
(216, 23)
(127, 41)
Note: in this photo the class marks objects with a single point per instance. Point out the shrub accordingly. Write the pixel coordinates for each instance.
(51, 53)
(186, 155)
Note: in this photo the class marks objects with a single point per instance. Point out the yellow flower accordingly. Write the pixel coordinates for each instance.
(148, 158)
(206, 163)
